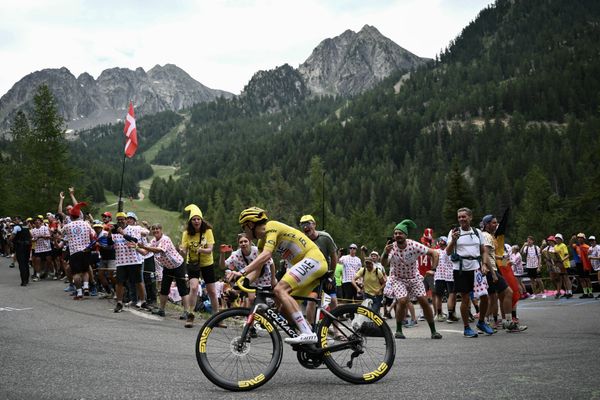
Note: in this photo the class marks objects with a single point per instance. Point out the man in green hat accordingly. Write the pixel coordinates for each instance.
(404, 281)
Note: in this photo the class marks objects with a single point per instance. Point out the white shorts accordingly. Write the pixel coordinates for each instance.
(303, 275)
(398, 288)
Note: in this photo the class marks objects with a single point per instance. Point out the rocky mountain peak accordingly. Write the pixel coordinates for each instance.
(353, 62)
(85, 102)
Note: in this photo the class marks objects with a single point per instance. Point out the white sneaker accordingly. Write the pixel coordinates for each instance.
(303, 338)
(532, 297)
(543, 296)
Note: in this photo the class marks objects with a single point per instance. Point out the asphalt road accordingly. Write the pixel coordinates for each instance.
(52, 347)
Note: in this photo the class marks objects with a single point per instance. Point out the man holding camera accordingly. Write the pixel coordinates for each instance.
(468, 253)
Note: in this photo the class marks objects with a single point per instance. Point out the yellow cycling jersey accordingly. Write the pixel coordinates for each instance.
(291, 244)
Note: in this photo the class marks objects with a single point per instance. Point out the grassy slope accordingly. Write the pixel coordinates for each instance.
(151, 153)
(144, 208)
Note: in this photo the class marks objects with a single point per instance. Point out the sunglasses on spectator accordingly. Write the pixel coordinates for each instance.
(352, 248)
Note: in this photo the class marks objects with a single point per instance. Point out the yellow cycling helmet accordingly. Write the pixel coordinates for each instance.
(252, 214)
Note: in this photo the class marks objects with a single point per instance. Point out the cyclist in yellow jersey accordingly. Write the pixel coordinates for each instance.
(308, 264)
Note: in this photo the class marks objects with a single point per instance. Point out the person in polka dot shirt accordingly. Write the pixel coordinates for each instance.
(404, 281)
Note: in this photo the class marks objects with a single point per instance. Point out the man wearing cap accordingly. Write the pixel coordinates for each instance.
(107, 255)
(21, 239)
(40, 235)
(594, 256)
(79, 234)
(584, 267)
(466, 248)
(498, 287)
(325, 243)
(404, 281)
(128, 260)
(553, 264)
(563, 255)
(351, 265)
(373, 282)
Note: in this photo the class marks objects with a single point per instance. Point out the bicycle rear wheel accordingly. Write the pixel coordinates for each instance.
(371, 357)
(236, 364)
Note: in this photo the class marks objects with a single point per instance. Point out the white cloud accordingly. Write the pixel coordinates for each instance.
(219, 43)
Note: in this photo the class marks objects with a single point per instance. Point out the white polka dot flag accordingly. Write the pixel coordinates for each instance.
(131, 133)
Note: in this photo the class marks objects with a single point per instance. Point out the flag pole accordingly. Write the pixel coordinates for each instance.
(120, 204)
(130, 146)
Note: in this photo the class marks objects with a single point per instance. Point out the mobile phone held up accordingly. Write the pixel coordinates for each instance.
(225, 248)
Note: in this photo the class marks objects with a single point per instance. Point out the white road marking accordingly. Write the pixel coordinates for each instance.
(144, 314)
(15, 309)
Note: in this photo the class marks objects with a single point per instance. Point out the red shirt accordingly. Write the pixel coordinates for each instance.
(582, 251)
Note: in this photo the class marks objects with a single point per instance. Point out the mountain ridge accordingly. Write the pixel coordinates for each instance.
(85, 102)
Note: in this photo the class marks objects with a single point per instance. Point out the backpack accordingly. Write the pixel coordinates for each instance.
(456, 257)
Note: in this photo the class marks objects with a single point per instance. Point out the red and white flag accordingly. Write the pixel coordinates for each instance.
(131, 133)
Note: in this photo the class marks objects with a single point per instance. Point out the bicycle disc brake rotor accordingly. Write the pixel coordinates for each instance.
(238, 349)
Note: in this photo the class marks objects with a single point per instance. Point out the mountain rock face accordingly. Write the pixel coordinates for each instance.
(353, 62)
(270, 91)
(85, 102)
(346, 65)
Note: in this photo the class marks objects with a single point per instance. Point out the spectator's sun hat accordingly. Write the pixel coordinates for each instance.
(306, 218)
(374, 252)
(353, 246)
(550, 239)
(592, 238)
(121, 214)
(559, 236)
(131, 214)
(581, 235)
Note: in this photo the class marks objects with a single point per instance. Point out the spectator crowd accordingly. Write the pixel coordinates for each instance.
(135, 264)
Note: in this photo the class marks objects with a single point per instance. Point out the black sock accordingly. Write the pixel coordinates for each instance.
(431, 326)
(439, 311)
(450, 313)
(476, 308)
(514, 313)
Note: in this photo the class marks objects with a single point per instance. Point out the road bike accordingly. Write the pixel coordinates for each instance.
(241, 348)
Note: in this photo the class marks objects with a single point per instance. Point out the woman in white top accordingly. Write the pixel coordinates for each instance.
(243, 256)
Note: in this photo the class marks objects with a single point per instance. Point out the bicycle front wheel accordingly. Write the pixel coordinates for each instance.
(236, 363)
(371, 348)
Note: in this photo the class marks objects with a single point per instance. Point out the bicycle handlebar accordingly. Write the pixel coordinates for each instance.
(240, 284)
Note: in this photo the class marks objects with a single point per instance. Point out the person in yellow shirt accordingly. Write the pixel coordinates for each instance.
(196, 246)
(563, 253)
(308, 264)
(373, 282)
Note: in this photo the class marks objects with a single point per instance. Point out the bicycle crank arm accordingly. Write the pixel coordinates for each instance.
(313, 349)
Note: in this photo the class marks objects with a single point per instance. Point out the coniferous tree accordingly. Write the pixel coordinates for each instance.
(536, 215)
(458, 194)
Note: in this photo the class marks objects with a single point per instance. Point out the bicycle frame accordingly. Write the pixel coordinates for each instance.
(273, 316)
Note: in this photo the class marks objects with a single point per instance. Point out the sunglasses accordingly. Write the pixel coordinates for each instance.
(352, 248)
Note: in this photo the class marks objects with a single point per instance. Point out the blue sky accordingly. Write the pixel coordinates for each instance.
(219, 43)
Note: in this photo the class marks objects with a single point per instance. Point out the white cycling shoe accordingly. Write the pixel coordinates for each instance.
(303, 338)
